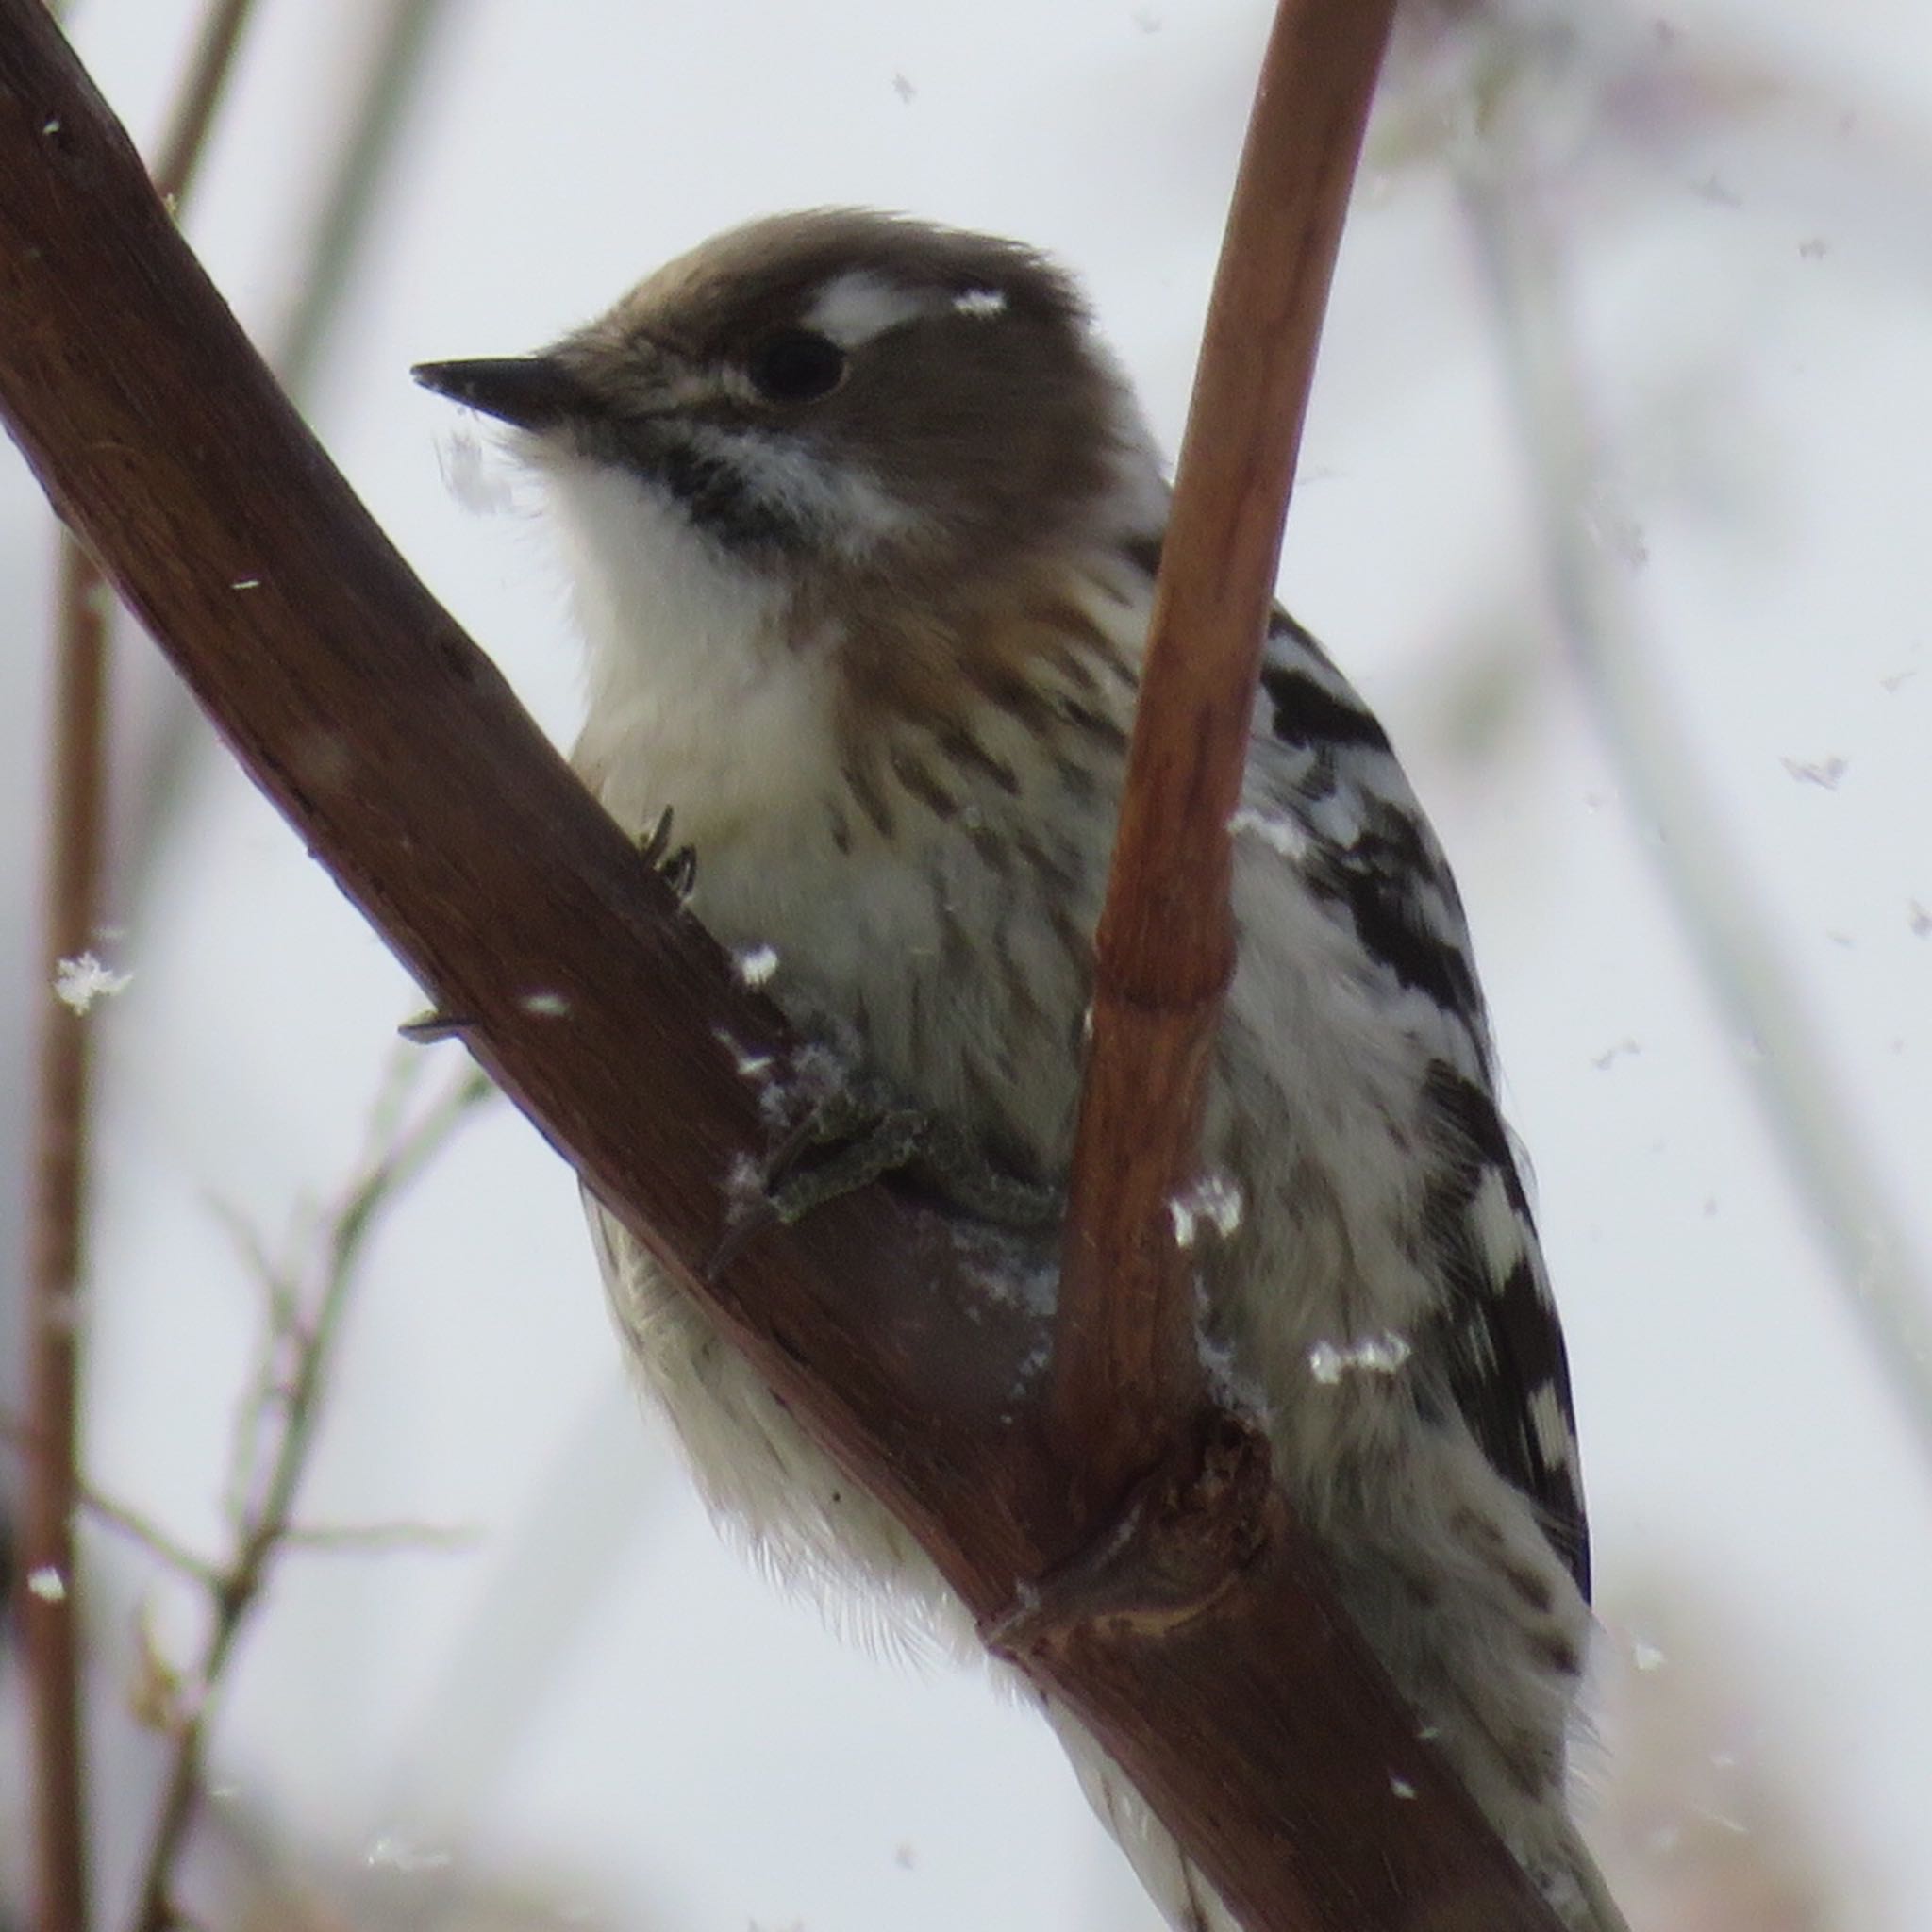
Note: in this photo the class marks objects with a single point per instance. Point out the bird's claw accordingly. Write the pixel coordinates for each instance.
(679, 869)
(426, 1029)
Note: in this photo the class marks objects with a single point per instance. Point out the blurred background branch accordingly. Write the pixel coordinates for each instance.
(1500, 160)
(382, 90)
(50, 1605)
(303, 1302)
(48, 1610)
(1706, 882)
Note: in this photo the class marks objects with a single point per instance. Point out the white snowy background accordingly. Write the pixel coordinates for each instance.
(1719, 426)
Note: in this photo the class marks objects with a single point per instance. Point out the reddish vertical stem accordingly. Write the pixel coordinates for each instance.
(49, 1607)
(1126, 1369)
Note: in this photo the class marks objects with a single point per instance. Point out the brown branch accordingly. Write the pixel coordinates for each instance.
(1126, 1371)
(1232, 1691)
(49, 1622)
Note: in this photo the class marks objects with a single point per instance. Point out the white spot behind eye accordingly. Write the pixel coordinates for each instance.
(851, 309)
(980, 302)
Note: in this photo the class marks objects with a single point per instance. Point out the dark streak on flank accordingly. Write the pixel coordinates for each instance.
(1067, 620)
(921, 783)
(1143, 553)
(993, 851)
(1058, 878)
(1095, 724)
(1530, 1587)
(1073, 667)
(1078, 947)
(1560, 1656)
(864, 788)
(1018, 697)
(1014, 982)
(1076, 780)
(964, 750)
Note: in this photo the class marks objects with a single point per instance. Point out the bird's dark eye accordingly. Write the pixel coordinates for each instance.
(794, 365)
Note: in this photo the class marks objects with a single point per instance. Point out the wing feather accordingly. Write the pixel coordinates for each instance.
(1369, 854)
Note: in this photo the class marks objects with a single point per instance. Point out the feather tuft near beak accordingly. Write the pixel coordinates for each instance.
(527, 391)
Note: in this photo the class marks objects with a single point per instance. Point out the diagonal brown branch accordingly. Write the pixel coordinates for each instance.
(1126, 1364)
(1231, 1691)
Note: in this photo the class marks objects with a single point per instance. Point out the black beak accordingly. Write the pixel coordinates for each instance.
(531, 391)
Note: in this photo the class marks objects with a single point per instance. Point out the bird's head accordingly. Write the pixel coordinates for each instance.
(840, 392)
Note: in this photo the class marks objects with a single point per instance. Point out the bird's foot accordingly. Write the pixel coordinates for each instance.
(862, 1133)
(679, 869)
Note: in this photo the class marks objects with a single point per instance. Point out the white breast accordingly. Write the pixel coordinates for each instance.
(698, 698)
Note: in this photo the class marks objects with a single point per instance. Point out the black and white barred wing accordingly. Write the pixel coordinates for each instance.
(1367, 852)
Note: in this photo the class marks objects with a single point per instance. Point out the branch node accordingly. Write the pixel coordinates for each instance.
(1179, 1542)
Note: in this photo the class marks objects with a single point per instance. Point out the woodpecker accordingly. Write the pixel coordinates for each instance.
(862, 520)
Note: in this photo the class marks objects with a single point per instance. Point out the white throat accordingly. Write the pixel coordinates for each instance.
(699, 699)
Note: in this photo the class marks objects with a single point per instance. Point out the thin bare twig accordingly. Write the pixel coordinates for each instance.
(49, 1620)
(130, 1523)
(395, 1156)
(76, 817)
(76, 862)
(379, 1538)
(1126, 1370)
